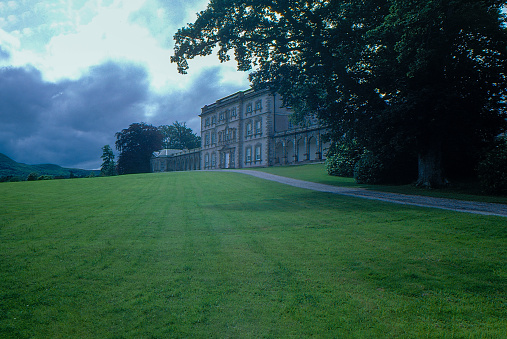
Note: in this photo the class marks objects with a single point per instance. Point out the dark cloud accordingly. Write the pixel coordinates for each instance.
(67, 123)
(4, 54)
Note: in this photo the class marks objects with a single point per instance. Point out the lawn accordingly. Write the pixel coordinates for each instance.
(213, 254)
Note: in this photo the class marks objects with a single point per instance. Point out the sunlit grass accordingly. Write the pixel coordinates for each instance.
(227, 255)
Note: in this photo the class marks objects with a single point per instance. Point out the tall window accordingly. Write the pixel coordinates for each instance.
(258, 153)
(233, 112)
(249, 129)
(206, 122)
(258, 127)
(249, 108)
(258, 105)
(206, 139)
(213, 138)
(248, 154)
(213, 159)
(206, 160)
(214, 119)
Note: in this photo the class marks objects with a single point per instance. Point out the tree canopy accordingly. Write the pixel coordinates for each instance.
(136, 145)
(179, 136)
(424, 79)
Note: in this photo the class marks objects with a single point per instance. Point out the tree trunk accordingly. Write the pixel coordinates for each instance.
(430, 168)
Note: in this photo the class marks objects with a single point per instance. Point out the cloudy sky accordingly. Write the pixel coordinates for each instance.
(75, 72)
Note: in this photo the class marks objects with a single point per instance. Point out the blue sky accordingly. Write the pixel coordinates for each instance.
(73, 73)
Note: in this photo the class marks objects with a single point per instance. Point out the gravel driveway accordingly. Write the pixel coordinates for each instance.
(446, 204)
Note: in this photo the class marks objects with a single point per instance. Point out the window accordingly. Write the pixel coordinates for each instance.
(248, 154)
(258, 127)
(220, 137)
(213, 138)
(206, 139)
(213, 159)
(221, 117)
(258, 153)
(233, 112)
(214, 119)
(207, 122)
(206, 160)
(249, 129)
(249, 108)
(258, 105)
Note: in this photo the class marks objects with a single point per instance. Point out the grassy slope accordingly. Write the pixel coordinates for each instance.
(161, 255)
(317, 173)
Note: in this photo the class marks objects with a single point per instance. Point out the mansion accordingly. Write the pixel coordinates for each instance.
(243, 130)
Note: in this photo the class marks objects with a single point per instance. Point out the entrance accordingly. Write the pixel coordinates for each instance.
(226, 159)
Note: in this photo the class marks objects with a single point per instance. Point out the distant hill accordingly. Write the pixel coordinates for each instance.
(9, 167)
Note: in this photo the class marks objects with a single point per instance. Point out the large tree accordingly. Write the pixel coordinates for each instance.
(424, 75)
(179, 136)
(136, 145)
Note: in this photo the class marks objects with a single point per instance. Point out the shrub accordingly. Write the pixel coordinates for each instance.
(342, 158)
(492, 169)
(45, 177)
(32, 176)
(369, 169)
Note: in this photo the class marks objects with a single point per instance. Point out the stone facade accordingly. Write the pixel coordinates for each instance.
(243, 130)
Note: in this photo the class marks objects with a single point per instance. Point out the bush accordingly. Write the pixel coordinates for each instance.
(342, 158)
(492, 169)
(32, 176)
(369, 170)
(45, 177)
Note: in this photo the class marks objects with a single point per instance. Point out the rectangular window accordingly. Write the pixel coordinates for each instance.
(207, 122)
(221, 117)
(258, 153)
(213, 159)
(214, 119)
(258, 105)
(249, 129)
(233, 112)
(213, 138)
(206, 160)
(206, 139)
(248, 154)
(249, 108)
(258, 127)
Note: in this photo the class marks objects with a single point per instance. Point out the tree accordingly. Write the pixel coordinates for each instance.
(179, 136)
(426, 77)
(136, 146)
(108, 167)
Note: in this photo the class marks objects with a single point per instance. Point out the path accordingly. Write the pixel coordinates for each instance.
(414, 200)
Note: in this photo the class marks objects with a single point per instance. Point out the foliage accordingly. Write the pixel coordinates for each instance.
(251, 260)
(108, 167)
(342, 158)
(45, 177)
(493, 169)
(32, 176)
(179, 136)
(421, 76)
(136, 145)
(369, 170)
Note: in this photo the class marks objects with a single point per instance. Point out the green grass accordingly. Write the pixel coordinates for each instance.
(317, 173)
(210, 254)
